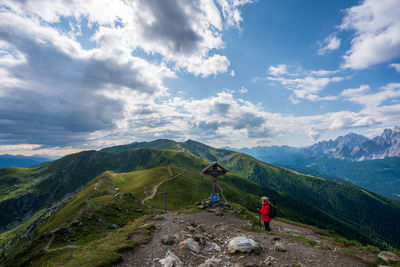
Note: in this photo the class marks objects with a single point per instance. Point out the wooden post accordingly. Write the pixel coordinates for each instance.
(214, 184)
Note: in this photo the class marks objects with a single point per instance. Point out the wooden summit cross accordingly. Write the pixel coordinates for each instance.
(214, 169)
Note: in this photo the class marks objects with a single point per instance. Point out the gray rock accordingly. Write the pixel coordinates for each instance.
(101, 220)
(77, 223)
(269, 260)
(170, 260)
(191, 229)
(191, 244)
(279, 247)
(168, 240)
(213, 262)
(389, 256)
(113, 226)
(213, 247)
(139, 210)
(243, 244)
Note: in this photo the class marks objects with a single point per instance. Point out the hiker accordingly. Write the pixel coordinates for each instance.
(266, 205)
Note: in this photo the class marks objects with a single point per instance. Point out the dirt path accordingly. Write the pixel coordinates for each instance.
(219, 229)
(155, 188)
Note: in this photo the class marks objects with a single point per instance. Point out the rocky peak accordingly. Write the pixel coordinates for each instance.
(351, 140)
(388, 137)
(353, 146)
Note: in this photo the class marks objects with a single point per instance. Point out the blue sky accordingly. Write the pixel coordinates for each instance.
(83, 75)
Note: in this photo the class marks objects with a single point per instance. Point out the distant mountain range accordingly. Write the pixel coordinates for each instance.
(352, 147)
(7, 160)
(357, 147)
(372, 163)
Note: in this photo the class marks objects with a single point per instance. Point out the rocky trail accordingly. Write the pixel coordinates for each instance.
(154, 189)
(210, 238)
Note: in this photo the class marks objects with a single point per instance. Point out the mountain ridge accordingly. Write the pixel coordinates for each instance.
(352, 147)
(314, 200)
(248, 167)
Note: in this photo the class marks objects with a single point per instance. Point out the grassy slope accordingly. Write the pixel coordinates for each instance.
(55, 180)
(77, 169)
(380, 175)
(356, 207)
(14, 180)
(340, 199)
(98, 244)
(98, 199)
(97, 207)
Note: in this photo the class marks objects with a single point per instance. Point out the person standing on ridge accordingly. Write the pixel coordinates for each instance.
(265, 208)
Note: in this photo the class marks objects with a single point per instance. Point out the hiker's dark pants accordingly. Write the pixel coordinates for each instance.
(266, 224)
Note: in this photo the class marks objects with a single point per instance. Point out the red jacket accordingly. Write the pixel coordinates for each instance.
(265, 211)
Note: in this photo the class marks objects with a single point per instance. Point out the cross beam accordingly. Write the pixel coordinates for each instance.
(214, 170)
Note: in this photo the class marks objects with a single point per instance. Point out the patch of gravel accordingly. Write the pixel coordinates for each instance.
(219, 229)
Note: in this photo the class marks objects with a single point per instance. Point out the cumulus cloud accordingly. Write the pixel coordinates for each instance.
(231, 12)
(57, 96)
(277, 70)
(376, 27)
(243, 90)
(304, 84)
(59, 87)
(396, 66)
(362, 96)
(314, 134)
(328, 45)
(346, 120)
(376, 110)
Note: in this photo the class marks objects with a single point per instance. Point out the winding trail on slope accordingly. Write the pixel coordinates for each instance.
(153, 193)
(155, 188)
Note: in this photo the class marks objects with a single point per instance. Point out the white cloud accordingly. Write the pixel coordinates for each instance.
(329, 44)
(355, 92)
(396, 66)
(55, 90)
(362, 96)
(277, 70)
(314, 134)
(376, 26)
(182, 32)
(345, 120)
(231, 12)
(307, 86)
(243, 90)
(212, 65)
